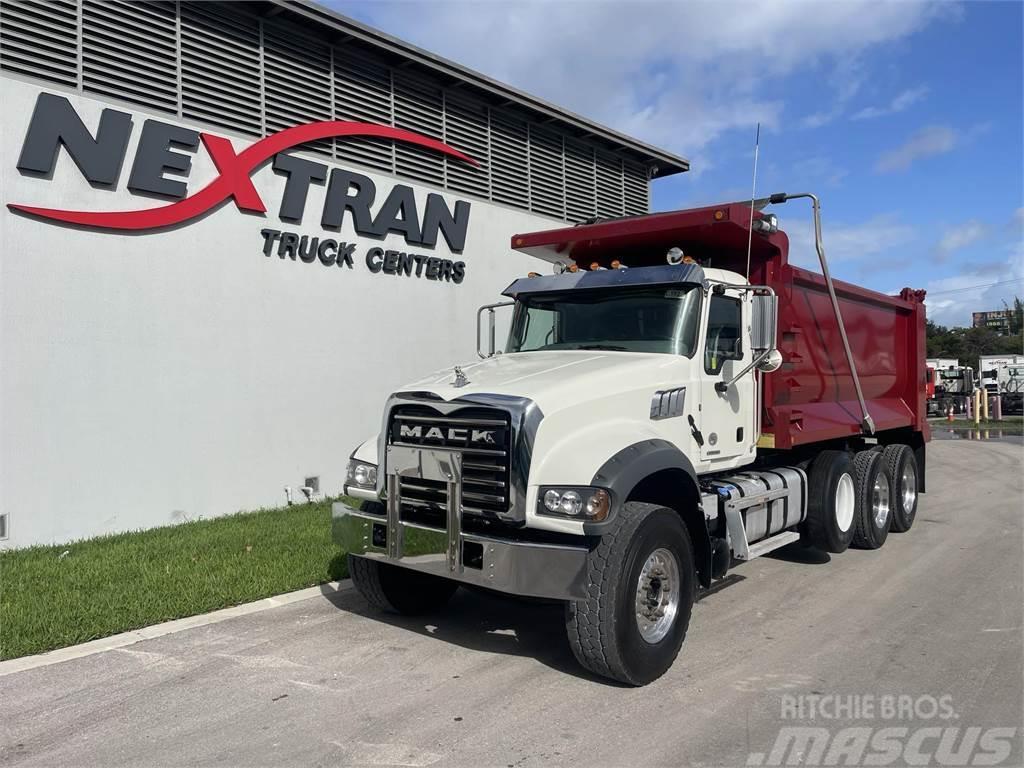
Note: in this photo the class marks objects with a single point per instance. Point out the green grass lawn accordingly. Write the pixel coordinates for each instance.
(51, 597)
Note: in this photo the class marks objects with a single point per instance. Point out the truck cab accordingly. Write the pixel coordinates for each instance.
(618, 454)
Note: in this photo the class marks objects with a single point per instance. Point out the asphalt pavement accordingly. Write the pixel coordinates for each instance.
(922, 637)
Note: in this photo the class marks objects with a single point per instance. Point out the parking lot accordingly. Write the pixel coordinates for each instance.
(935, 614)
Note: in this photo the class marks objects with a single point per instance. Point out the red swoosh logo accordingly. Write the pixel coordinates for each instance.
(234, 180)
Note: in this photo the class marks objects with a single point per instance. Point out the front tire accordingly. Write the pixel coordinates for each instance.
(398, 590)
(642, 583)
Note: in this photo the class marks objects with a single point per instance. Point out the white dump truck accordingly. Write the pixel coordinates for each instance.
(1003, 377)
(953, 386)
(655, 418)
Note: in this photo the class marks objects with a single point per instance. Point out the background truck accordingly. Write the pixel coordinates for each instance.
(953, 387)
(1003, 376)
(656, 417)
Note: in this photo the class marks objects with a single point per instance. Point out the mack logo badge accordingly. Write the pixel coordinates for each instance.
(451, 435)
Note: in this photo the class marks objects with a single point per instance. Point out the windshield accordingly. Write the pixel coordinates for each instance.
(627, 320)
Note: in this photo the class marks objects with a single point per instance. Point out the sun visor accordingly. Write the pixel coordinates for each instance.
(608, 278)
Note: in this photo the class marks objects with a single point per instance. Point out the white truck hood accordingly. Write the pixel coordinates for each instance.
(557, 378)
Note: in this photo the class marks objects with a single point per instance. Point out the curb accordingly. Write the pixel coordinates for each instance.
(168, 628)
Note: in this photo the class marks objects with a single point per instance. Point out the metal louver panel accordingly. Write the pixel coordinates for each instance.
(129, 52)
(509, 163)
(547, 181)
(636, 188)
(419, 107)
(220, 63)
(297, 82)
(580, 192)
(466, 130)
(40, 39)
(362, 93)
(609, 185)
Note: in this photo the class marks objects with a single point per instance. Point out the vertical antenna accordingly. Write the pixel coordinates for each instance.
(753, 196)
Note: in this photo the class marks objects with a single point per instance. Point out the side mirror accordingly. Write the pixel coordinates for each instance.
(764, 321)
(491, 327)
(771, 362)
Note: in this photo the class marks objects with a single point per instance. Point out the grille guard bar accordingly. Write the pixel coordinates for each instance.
(525, 418)
(554, 572)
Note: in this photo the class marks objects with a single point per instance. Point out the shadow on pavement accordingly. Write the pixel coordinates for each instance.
(798, 552)
(486, 621)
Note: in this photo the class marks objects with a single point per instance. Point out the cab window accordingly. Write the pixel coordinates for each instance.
(725, 316)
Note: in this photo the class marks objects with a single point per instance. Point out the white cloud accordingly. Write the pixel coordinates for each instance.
(899, 103)
(675, 74)
(928, 142)
(951, 300)
(846, 80)
(816, 169)
(961, 236)
(933, 140)
(847, 242)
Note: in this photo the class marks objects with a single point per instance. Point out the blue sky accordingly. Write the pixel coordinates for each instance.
(906, 118)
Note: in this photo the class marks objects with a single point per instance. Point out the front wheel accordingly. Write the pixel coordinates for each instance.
(642, 583)
(398, 590)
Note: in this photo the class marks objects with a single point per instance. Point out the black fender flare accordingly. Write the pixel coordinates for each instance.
(629, 467)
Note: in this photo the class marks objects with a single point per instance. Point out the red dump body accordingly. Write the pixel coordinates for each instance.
(811, 398)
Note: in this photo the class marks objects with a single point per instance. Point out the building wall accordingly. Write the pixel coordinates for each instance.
(162, 376)
(220, 65)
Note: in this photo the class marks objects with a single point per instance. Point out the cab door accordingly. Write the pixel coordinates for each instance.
(726, 418)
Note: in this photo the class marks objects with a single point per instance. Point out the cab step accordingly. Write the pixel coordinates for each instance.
(772, 543)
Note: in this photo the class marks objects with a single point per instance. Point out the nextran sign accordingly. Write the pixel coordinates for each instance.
(168, 148)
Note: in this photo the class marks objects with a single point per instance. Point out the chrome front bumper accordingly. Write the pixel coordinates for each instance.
(534, 570)
(520, 568)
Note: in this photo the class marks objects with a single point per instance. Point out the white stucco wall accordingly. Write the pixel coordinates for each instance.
(151, 378)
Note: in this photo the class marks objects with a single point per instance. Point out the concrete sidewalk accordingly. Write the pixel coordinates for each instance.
(325, 681)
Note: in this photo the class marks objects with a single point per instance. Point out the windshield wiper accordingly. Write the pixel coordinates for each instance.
(602, 346)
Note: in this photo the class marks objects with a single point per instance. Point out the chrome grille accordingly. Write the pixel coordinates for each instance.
(481, 435)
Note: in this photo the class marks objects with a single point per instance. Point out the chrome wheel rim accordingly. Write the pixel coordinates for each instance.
(880, 501)
(657, 595)
(908, 487)
(845, 502)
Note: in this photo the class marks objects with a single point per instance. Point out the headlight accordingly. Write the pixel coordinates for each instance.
(591, 504)
(361, 474)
